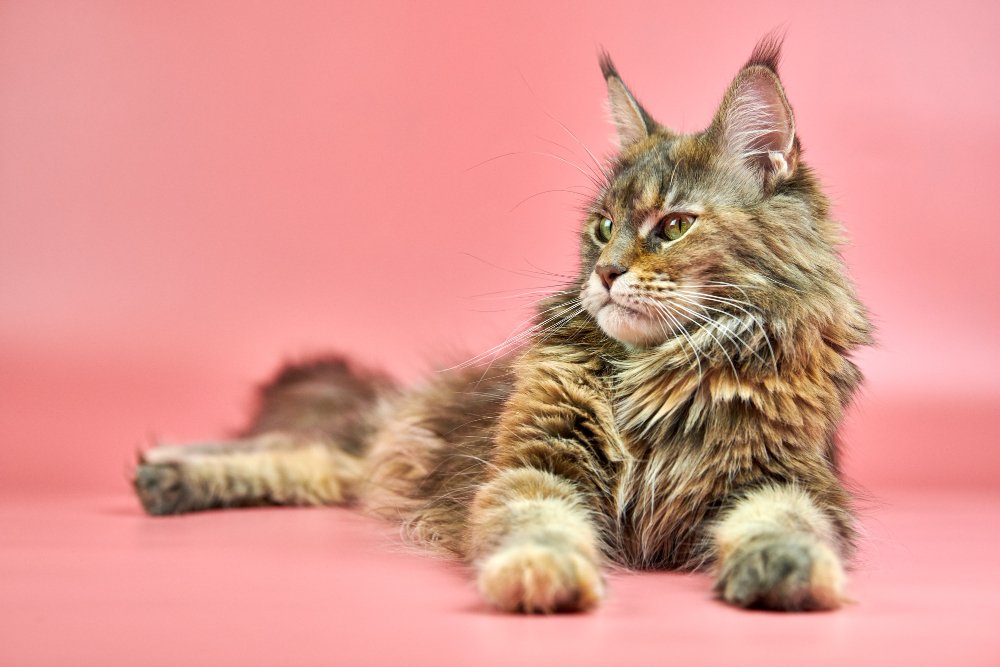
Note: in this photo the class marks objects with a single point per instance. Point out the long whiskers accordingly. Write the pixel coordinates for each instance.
(707, 330)
(583, 196)
(594, 180)
(601, 169)
(545, 327)
(744, 307)
(534, 273)
(597, 169)
(676, 325)
(732, 335)
(521, 294)
(545, 333)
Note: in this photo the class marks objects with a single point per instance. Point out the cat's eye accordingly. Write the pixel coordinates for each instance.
(604, 228)
(675, 226)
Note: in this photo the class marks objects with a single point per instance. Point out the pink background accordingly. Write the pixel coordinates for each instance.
(191, 192)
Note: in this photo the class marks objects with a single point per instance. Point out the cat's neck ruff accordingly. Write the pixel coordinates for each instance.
(688, 371)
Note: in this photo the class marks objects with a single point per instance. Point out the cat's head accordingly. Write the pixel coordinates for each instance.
(690, 226)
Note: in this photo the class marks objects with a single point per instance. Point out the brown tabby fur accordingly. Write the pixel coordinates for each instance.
(710, 441)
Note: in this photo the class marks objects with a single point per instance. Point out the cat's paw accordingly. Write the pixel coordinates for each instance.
(791, 572)
(540, 578)
(161, 488)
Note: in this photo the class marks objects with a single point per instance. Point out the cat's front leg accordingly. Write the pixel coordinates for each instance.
(534, 545)
(778, 550)
(534, 531)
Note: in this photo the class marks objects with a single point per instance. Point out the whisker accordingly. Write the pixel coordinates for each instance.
(600, 167)
(513, 340)
(737, 304)
(680, 328)
(722, 299)
(518, 272)
(760, 275)
(725, 284)
(589, 176)
(522, 295)
(545, 192)
(538, 288)
(493, 159)
(711, 335)
(725, 329)
(551, 273)
(552, 328)
(569, 151)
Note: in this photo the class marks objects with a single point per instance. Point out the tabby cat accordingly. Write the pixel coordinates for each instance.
(676, 407)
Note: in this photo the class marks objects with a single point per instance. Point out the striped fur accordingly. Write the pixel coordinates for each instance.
(694, 428)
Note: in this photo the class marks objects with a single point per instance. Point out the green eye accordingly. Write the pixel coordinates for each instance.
(604, 230)
(676, 225)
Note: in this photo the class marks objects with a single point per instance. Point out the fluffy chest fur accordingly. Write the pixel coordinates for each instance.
(669, 478)
(688, 435)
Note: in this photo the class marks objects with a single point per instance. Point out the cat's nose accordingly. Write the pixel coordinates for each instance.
(608, 273)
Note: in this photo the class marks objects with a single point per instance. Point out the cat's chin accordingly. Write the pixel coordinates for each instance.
(630, 326)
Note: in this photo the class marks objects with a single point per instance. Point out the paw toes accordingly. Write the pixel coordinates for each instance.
(540, 579)
(160, 488)
(787, 573)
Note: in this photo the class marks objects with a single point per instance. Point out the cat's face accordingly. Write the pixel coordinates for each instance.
(665, 235)
(686, 224)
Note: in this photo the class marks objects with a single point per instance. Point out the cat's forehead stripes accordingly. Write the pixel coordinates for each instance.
(665, 176)
(640, 186)
(688, 155)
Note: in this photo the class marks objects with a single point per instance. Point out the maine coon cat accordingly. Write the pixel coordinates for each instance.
(676, 407)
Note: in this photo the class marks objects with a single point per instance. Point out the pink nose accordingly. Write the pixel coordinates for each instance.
(608, 273)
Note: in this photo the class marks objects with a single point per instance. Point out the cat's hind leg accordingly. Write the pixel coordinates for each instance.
(305, 445)
(269, 469)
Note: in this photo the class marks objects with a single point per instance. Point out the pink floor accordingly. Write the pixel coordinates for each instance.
(86, 579)
(89, 580)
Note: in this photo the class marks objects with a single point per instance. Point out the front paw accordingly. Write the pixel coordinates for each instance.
(539, 578)
(789, 572)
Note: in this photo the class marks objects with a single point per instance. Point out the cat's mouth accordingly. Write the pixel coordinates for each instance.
(629, 323)
(627, 310)
(623, 314)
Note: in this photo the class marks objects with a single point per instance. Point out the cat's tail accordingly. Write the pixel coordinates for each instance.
(328, 396)
(306, 445)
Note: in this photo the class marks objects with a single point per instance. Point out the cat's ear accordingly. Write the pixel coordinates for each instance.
(754, 124)
(631, 120)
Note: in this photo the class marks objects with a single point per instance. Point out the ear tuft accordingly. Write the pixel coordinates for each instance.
(608, 68)
(630, 119)
(755, 124)
(767, 53)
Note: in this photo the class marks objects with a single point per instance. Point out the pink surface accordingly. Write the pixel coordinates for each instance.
(190, 192)
(206, 188)
(90, 581)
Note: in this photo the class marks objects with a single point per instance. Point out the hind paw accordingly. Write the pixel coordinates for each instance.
(161, 488)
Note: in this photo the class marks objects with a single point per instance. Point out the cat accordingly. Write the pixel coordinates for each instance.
(676, 407)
